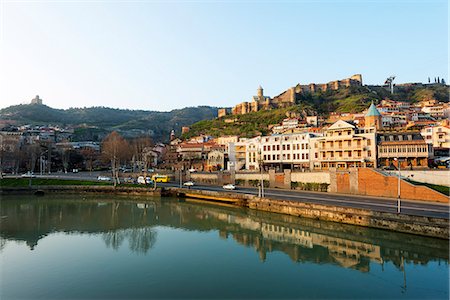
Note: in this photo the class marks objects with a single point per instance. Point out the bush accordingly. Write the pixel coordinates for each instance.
(309, 186)
(240, 182)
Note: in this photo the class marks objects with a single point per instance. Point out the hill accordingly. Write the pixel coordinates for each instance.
(94, 122)
(345, 100)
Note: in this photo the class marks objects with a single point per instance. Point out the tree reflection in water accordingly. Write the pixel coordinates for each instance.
(140, 240)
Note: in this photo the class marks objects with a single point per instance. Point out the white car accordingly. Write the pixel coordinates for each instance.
(29, 175)
(103, 178)
(192, 170)
(229, 187)
(189, 183)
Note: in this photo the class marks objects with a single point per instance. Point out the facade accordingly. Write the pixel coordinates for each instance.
(253, 154)
(344, 146)
(408, 147)
(286, 151)
(216, 160)
(438, 136)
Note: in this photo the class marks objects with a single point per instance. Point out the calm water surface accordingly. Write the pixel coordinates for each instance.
(104, 247)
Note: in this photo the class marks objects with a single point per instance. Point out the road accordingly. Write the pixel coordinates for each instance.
(410, 207)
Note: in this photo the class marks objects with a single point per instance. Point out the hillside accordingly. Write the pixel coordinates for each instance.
(346, 100)
(97, 121)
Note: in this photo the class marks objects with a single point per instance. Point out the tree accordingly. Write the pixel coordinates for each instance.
(138, 145)
(116, 150)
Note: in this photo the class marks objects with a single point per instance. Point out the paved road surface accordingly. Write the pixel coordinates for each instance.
(418, 208)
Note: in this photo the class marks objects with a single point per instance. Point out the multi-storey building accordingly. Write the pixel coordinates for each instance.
(253, 154)
(438, 136)
(286, 151)
(407, 147)
(344, 145)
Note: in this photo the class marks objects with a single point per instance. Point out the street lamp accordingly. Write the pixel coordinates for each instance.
(261, 184)
(398, 187)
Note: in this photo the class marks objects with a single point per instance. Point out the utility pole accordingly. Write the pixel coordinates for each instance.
(398, 187)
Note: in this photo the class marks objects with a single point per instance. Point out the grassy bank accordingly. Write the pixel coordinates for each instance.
(440, 188)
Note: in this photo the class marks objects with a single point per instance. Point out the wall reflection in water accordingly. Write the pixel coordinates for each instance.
(132, 221)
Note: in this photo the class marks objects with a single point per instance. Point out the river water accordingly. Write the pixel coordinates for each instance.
(86, 247)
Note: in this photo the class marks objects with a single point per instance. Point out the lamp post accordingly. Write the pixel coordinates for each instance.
(261, 188)
(398, 187)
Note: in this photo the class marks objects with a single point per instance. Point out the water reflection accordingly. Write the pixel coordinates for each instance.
(134, 222)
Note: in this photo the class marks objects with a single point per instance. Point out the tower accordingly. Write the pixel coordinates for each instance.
(373, 117)
(260, 92)
(172, 135)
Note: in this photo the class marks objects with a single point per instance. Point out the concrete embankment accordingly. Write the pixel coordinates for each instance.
(426, 226)
(80, 189)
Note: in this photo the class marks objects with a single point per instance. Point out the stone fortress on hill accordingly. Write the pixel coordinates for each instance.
(288, 97)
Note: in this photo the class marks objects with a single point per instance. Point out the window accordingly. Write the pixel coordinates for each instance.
(369, 153)
(288, 147)
(288, 156)
(284, 147)
(316, 155)
(278, 147)
(306, 155)
(368, 142)
(303, 155)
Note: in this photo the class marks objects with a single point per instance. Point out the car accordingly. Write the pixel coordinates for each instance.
(148, 180)
(141, 180)
(29, 175)
(229, 187)
(192, 170)
(74, 170)
(189, 183)
(103, 178)
(129, 180)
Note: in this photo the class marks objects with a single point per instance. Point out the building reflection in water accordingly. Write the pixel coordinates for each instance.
(135, 222)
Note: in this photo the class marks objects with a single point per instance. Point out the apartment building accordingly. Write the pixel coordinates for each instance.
(286, 151)
(343, 146)
(408, 147)
(438, 136)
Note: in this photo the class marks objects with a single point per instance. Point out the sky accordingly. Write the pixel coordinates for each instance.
(164, 55)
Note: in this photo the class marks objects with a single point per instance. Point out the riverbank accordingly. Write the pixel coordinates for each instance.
(425, 226)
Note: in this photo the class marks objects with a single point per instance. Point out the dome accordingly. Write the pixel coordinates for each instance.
(373, 111)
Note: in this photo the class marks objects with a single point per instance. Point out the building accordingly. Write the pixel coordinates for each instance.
(216, 160)
(36, 100)
(344, 146)
(373, 118)
(408, 147)
(438, 136)
(290, 96)
(286, 151)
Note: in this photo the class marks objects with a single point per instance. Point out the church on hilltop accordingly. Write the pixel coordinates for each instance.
(288, 97)
(36, 100)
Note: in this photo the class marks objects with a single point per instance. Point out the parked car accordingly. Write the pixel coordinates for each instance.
(104, 178)
(129, 180)
(229, 187)
(141, 180)
(192, 170)
(189, 183)
(148, 180)
(74, 170)
(29, 175)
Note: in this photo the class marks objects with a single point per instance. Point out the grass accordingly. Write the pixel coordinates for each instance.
(440, 188)
(23, 182)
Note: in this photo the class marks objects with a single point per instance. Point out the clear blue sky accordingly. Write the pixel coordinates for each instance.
(157, 55)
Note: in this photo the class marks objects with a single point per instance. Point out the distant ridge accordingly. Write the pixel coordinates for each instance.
(104, 119)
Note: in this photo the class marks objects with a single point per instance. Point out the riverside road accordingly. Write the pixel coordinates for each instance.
(381, 204)
(416, 208)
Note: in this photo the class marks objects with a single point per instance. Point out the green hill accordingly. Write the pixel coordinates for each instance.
(345, 100)
(97, 121)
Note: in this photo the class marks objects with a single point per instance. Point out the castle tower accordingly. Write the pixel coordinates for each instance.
(292, 95)
(36, 100)
(259, 92)
(373, 117)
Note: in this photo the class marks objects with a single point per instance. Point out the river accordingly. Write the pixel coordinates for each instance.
(86, 247)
